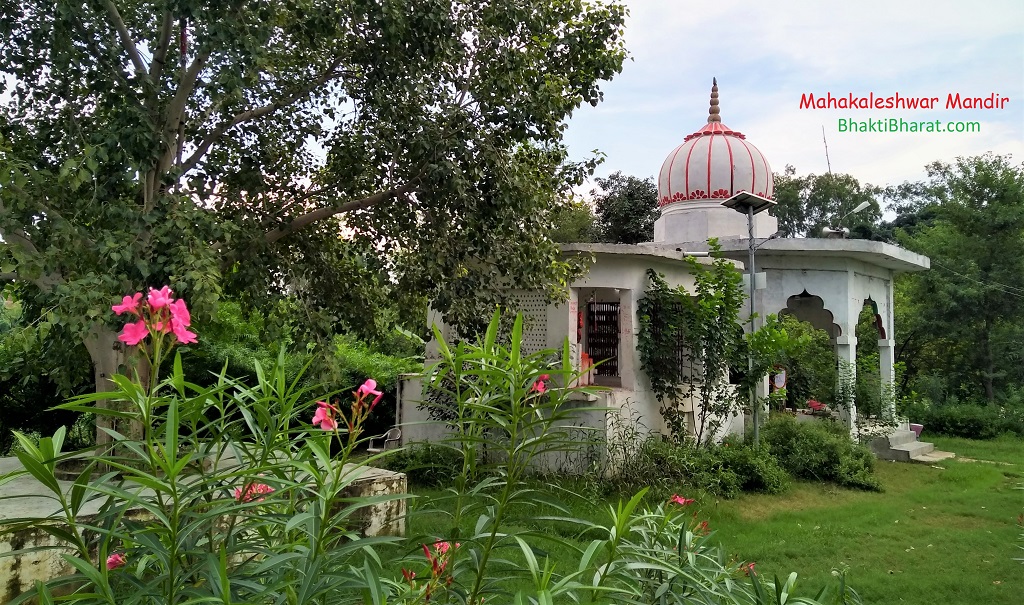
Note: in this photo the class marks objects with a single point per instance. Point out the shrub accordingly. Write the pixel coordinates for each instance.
(682, 466)
(667, 467)
(757, 470)
(820, 451)
(277, 526)
(426, 464)
(967, 420)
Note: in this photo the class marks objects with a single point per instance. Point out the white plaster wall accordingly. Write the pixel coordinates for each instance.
(415, 422)
(843, 284)
(696, 221)
(621, 277)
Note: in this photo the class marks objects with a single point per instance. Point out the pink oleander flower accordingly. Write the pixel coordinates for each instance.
(129, 304)
(134, 333)
(748, 569)
(538, 387)
(158, 299)
(254, 492)
(183, 335)
(543, 377)
(439, 558)
(180, 320)
(370, 388)
(179, 312)
(160, 314)
(681, 501)
(116, 560)
(324, 416)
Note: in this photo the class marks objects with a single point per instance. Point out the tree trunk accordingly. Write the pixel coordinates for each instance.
(108, 358)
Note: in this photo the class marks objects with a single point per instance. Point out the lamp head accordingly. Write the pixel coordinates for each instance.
(860, 206)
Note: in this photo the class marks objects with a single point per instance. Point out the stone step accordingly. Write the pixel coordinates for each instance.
(902, 437)
(907, 451)
(933, 457)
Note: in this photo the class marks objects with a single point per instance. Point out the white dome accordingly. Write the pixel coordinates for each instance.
(715, 162)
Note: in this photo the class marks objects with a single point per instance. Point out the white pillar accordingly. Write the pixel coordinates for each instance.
(846, 352)
(629, 356)
(886, 360)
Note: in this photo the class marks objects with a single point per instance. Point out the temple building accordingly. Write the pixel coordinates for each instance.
(715, 184)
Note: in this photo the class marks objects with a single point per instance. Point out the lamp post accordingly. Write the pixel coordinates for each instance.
(841, 232)
(751, 204)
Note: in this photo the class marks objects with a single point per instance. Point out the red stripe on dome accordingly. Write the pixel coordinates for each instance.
(732, 167)
(668, 182)
(711, 148)
(753, 173)
(767, 176)
(686, 181)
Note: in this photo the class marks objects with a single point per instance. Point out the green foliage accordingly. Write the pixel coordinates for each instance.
(758, 469)
(723, 470)
(37, 371)
(627, 207)
(637, 460)
(810, 362)
(688, 342)
(805, 205)
(961, 321)
(968, 420)
(820, 451)
(574, 221)
(353, 361)
(152, 143)
(426, 464)
(267, 518)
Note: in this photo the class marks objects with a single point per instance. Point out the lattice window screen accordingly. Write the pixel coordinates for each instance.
(534, 306)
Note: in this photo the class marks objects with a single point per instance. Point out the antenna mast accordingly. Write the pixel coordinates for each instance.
(827, 161)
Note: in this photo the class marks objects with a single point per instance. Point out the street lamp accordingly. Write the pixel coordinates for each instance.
(750, 204)
(842, 232)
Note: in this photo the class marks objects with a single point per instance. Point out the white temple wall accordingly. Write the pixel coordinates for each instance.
(698, 220)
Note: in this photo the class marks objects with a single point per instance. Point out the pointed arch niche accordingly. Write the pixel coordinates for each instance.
(811, 308)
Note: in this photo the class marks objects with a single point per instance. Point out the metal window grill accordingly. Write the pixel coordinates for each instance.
(603, 337)
(681, 354)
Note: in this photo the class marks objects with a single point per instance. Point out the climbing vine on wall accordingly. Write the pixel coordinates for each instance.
(689, 342)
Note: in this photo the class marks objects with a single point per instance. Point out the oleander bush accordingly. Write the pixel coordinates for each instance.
(243, 493)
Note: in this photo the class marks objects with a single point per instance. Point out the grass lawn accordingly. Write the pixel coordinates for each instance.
(937, 534)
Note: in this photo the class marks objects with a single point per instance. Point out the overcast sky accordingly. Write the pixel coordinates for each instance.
(767, 54)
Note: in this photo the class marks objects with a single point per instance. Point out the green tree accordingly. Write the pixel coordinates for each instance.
(153, 142)
(810, 363)
(968, 309)
(806, 205)
(574, 221)
(627, 207)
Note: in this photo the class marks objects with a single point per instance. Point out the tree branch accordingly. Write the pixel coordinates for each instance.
(309, 218)
(162, 44)
(8, 277)
(255, 113)
(126, 39)
(17, 238)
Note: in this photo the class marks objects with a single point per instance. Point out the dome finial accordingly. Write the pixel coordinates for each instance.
(713, 113)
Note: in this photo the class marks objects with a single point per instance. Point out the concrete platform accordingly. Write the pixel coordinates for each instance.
(902, 446)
